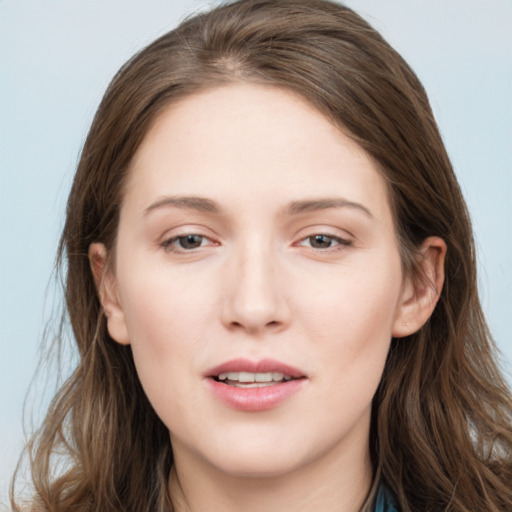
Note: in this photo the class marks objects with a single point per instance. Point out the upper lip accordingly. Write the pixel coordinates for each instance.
(261, 366)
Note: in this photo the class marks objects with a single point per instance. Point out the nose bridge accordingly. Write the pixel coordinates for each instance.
(255, 299)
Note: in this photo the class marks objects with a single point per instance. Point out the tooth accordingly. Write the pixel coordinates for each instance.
(253, 384)
(250, 377)
(245, 377)
(263, 377)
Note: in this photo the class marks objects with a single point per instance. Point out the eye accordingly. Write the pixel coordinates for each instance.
(323, 241)
(187, 242)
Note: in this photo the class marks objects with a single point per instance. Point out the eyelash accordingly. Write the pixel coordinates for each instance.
(340, 242)
(170, 245)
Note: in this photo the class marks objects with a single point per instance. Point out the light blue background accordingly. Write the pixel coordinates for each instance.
(56, 58)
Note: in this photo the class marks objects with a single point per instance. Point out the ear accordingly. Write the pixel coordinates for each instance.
(421, 292)
(106, 286)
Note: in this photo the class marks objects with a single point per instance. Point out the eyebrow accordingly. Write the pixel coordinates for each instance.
(203, 204)
(310, 205)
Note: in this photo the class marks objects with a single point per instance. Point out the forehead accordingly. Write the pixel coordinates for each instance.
(251, 142)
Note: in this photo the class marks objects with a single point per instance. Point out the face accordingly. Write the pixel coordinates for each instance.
(258, 280)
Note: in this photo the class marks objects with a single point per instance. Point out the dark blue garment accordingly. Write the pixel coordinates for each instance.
(385, 501)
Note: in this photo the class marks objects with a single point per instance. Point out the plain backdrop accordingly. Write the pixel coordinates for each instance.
(56, 58)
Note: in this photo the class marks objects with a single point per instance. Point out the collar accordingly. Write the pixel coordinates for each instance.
(385, 501)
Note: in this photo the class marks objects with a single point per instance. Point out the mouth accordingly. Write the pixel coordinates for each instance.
(251, 379)
(243, 372)
(254, 386)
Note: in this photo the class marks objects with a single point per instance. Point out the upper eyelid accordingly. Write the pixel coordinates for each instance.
(185, 230)
(332, 231)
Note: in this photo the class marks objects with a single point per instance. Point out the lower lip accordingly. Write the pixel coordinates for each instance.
(255, 399)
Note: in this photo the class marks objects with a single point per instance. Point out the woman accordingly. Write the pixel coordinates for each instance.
(271, 282)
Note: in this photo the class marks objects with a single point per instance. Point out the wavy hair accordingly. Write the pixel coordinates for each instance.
(441, 432)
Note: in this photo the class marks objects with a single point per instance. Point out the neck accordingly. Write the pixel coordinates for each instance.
(332, 483)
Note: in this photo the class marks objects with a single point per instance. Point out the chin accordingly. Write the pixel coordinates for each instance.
(261, 459)
(259, 469)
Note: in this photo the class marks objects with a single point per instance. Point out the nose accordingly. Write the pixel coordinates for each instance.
(254, 299)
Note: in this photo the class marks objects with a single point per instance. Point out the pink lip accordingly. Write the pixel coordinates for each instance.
(263, 366)
(255, 399)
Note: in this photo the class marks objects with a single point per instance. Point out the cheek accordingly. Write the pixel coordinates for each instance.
(363, 299)
(162, 308)
(166, 320)
(351, 321)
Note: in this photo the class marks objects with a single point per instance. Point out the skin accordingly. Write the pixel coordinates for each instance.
(259, 285)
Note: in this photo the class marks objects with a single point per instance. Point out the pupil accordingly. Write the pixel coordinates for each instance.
(190, 241)
(321, 241)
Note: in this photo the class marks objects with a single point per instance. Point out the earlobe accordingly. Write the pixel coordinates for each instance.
(422, 291)
(106, 287)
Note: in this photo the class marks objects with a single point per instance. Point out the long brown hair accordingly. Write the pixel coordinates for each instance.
(441, 431)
